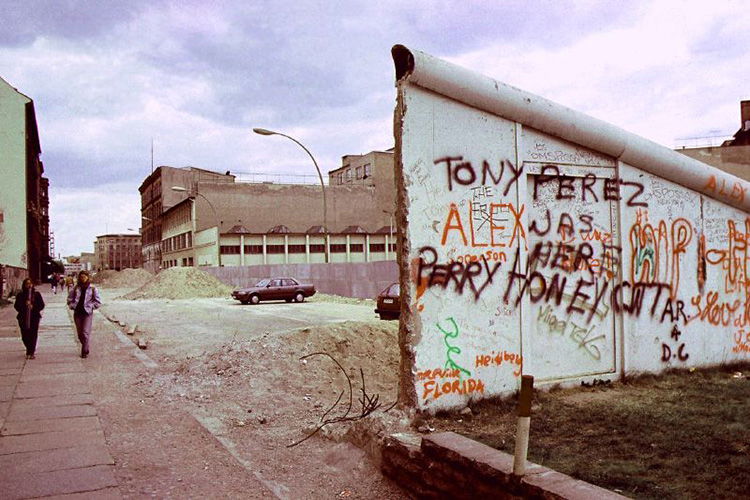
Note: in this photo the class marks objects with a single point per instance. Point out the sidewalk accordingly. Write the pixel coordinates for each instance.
(51, 439)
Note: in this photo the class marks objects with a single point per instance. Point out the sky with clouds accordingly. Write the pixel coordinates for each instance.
(108, 77)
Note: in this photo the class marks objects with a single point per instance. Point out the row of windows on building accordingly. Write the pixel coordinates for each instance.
(347, 176)
(186, 262)
(314, 248)
(178, 242)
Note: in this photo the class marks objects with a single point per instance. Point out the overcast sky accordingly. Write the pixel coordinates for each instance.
(107, 77)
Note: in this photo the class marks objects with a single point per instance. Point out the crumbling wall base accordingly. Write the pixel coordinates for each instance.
(447, 464)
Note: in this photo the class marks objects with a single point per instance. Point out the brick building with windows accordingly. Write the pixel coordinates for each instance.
(117, 251)
(216, 221)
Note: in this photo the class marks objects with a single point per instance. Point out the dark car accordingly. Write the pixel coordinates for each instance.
(288, 289)
(389, 302)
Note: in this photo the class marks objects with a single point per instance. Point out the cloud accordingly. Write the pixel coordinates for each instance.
(80, 214)
(107, 77)
(650, 76)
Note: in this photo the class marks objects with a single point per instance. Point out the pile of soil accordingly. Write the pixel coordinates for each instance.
(102, 276)
(180, 283)
(369, 346)
(127, 278)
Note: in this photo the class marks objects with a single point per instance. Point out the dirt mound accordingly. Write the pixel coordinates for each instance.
(181, 283)
(127, 278)
(102, 276)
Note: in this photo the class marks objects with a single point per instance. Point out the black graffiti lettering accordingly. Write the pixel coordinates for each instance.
(513, 275)
(449, 160)
(586, 186)
(566, 187)
(611, 189)
(586, 219)
(565, 183)
(680, 355)
(487, 170)
(565, 226)
(659, 287)
(472, 270)
(534, 228)
(666, 352)
(639, 191)
(618, 306)
(557, 287)
(516, 175)
(583, 256)
(681, 311)
(540, 254)
(542, 289)
(461, 274)
(423, 264)
(463, 173)
(561, 258)
(541, 179)
(572, 307)
(454, 271)
(490, 275)
(674, 312)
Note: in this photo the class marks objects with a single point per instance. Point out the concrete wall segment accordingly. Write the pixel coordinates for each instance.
(501, 99)
(661, 270)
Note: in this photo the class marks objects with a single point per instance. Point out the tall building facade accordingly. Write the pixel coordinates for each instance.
(220, 222)
(157, 196)
(117, 251)
(24, 200)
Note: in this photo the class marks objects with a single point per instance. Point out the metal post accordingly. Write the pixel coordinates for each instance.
(524, 422)
(262, 131)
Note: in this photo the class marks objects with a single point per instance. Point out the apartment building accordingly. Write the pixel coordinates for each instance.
(228, 223)
(157, 196)
(24, 199)
(117, 251)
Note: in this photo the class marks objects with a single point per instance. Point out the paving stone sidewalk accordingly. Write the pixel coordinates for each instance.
(51, 440)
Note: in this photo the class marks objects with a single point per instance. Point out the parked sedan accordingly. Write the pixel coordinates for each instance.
(389, 302)
(288, 289)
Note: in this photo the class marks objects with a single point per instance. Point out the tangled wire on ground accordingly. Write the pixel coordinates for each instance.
(369, 403)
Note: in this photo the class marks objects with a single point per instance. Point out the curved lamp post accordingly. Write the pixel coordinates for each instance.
(181, 189)
(263, 131)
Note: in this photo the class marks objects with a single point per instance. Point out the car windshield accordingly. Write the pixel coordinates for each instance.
(395, 289)
(263, 283)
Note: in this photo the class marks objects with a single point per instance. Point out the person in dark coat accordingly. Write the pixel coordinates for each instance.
(29, 304)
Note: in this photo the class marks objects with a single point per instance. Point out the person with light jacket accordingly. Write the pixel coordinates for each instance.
(29, 304)
(83, 299)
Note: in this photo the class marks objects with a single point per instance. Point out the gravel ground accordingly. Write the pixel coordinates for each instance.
(237, 370)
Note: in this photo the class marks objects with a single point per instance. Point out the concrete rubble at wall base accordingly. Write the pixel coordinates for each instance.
(447, 464)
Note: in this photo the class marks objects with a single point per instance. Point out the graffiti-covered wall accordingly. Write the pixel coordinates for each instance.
(540, 241)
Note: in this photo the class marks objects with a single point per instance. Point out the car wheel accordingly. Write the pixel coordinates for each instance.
(254, 299)
(383, 316)
(299, 297)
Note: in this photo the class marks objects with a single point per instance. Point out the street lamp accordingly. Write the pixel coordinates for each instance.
(263, 131)
(181, 189)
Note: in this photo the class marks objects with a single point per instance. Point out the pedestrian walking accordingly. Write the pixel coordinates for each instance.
(83, 299)
(29, 304)
(54, 283)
